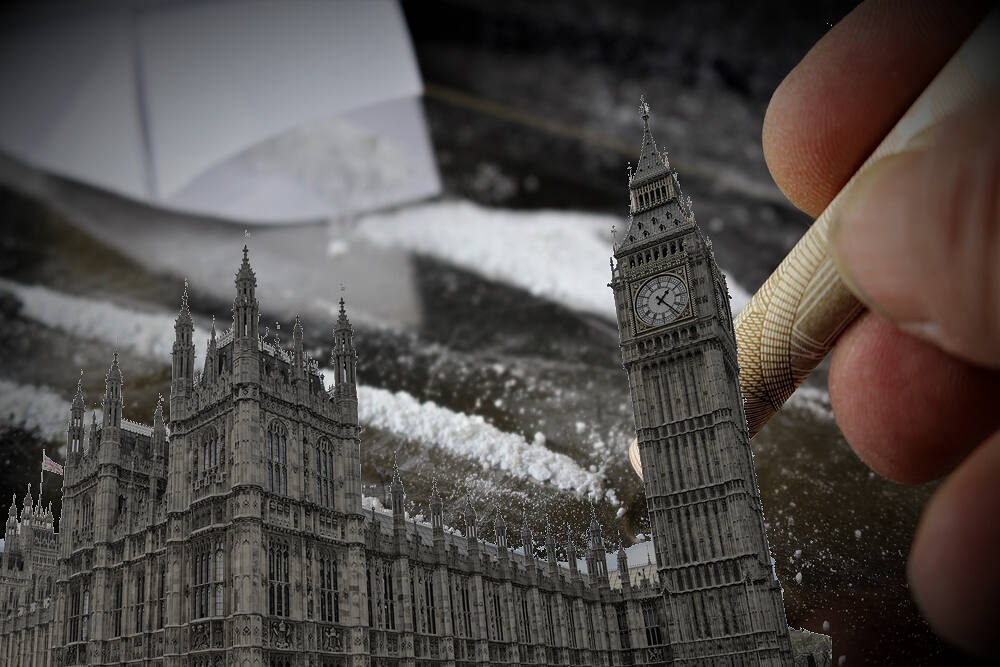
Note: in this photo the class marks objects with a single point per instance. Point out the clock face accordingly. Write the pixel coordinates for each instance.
(661, 300)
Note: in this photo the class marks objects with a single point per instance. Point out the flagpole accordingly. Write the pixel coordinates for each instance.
(41, 479)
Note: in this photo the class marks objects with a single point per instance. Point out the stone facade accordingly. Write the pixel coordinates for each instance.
(724, 602)
(237, 536)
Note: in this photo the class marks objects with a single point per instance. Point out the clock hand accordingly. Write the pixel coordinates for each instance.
(660, 301)
(672, 309)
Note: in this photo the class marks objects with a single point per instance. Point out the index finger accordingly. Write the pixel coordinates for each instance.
(845, 95)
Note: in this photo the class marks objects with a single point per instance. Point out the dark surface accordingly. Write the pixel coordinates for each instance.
(532, 106)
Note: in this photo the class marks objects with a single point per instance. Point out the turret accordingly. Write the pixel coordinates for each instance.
(246, 322)
(623, 566)
(398, 496)
(550, 548)
(75, 431)
(211, 371)
(159, 440)
(500, 530)
(571, 553)
(298, 354)
(471, 530)
(111, 409)
(182, 357)
(597, 566)
(527, 540)
(93, 439)
(437, 516)
(345, 361)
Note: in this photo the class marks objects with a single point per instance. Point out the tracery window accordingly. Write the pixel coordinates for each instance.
(161, 616)
(384, 606)
(329, 594)
(651, 619)
(73, 627)
(202, 588)
(524, 623)
(623, 635)
(324, 474)
(211, 450)
(85, 616)
(277, 574)
(464, 627)
(550, 621)
(430, 617)
(495, 622)
(277, 459)
(140, 600)
(116, 615)
(220, 571)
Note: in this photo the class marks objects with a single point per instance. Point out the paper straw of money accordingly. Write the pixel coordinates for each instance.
(794, 319)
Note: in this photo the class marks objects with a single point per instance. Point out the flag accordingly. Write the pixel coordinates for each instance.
(48, 465)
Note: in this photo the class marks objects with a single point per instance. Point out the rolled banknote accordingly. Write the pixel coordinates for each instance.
(794, 319)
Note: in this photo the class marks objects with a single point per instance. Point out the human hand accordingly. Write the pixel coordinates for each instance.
(914, 382)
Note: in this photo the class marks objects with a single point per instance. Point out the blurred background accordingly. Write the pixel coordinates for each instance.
(453, 169)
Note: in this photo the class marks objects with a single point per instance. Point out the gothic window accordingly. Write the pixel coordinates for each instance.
(324, 474)
(220, 586)
(277, 569)
(202, 589)
(85, 616)
(571, 624)
(623, 635)
(140, 600)
(464, 627)
(370, 619)
(550, 621)
(210, 450)
(73, 627)
(430, 616)
(161, 616)
(524, 623)
(388, 599)
(651, 619)
(495, 625)
(116, 615)
(329, 594)
(277, 459)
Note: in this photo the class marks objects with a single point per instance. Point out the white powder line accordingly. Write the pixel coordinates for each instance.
(470, 436)
(561, 256)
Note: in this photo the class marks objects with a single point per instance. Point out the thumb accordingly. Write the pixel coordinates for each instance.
(918, 239)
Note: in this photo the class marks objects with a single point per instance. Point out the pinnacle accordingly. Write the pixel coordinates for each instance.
(651, 162)
(78, 397)
(115, 372)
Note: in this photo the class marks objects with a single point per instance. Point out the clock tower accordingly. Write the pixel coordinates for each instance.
(723, 600)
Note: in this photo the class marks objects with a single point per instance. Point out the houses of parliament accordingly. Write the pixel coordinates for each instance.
(235, 536)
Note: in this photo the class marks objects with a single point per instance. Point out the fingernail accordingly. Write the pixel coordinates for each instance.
(924, 330)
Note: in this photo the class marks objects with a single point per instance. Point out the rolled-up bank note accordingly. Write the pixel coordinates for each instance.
(794, 319)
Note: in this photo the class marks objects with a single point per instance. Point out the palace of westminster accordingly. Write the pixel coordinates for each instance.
(236, 536)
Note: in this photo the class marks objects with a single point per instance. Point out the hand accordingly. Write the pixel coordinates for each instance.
(914, 382)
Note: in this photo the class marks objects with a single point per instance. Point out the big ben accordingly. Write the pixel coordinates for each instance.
(723, 599)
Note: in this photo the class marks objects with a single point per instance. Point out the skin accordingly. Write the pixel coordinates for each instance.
(914, 382)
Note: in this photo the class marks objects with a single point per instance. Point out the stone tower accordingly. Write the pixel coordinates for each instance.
(723, 601)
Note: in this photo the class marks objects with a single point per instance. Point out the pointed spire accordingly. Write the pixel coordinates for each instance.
(115, 372)
(158, 413)
(12, 512)
(28, 501)
(184, 315)
(397, 483)
(212, 339)
(498, 519)
(78, 402)
(651, 162)
(435, 496)
(245, 271)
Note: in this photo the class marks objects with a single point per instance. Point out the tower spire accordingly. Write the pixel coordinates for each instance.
(182, 356)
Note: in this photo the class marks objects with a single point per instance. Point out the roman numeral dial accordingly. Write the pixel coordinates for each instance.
(661, 300)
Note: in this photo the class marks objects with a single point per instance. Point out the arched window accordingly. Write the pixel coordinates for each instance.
(277, 574)
(277, 458)
(325, 474)
(85, 619)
